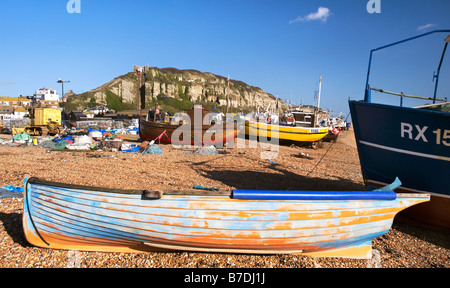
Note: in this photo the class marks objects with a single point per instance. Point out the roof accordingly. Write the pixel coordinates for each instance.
(20, 109)
(19, 99)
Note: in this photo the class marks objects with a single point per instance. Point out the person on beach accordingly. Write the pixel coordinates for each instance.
(155, 115)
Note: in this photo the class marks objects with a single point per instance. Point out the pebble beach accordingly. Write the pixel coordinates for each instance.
(335, 166)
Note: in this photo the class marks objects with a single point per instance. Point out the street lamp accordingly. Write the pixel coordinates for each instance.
(62, 86)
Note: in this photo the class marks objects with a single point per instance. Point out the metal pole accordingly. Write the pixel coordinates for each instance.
(438, 72)
(62, 86)
(367, 94)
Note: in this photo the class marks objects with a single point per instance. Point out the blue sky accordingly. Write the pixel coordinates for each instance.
(280, 46)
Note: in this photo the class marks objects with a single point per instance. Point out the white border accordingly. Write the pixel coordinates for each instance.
(436, 157)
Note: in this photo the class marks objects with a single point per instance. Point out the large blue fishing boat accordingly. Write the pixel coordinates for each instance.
(412, 144)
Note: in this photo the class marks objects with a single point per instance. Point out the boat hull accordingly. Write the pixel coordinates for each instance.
(187, 134)
(284, 134)
(331, 137)
(63, 216)
(407, 143)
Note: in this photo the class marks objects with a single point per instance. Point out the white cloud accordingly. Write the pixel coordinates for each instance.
(425, 27)
(7, 83)
(322, 14)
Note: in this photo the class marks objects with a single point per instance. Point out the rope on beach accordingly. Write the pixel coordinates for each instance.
(320, 159)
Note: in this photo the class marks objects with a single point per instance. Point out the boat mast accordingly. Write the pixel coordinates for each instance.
(316, 113)
(320, 89)
(228, 91)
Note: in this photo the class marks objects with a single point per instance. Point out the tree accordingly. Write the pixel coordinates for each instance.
(92, 103)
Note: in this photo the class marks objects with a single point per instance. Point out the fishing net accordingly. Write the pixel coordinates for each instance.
(152, 149)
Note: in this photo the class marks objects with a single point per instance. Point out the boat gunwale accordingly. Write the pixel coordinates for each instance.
(400, 108)
(39, 181)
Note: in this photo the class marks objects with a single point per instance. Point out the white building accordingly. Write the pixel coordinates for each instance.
(20, 112)
(97, 110)
(46, 94)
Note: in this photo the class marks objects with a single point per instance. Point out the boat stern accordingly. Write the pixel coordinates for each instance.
(410, 199)
(31, 234)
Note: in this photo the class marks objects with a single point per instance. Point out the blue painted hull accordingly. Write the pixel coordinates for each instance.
(409, 143)
(63, 216)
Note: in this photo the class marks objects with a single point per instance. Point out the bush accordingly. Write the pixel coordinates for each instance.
(115, 103)
(173, 105)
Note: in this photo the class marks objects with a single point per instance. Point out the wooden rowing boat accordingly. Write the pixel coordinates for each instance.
(338, 224)
(189, 132)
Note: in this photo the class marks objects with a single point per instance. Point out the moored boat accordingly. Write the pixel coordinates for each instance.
(332, 136)
(411, 143)
(189, 132)
(284, 133)
(338, 224)
(296, 127)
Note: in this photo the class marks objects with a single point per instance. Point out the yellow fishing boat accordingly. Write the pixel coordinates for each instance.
(284, 133)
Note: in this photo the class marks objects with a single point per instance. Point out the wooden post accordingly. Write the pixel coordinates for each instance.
(228, 93)
(140, 72)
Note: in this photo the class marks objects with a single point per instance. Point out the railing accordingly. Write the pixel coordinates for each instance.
(367, 96)
(407, 96)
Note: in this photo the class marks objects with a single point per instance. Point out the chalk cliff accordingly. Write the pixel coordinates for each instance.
(190, 86)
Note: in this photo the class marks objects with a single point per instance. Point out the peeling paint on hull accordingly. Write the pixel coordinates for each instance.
(80, 218)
